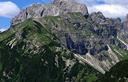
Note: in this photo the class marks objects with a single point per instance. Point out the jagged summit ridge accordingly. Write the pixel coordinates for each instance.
(58, 7)
(71, 6)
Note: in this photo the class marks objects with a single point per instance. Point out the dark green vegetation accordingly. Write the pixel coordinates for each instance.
(118, 73)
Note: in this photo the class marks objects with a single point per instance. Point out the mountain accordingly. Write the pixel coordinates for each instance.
(61, 41)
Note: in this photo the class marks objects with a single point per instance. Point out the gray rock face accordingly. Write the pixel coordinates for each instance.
(36, 11)
(126, 23)
(118, 24)
(71, 6)
(56, 8)
(124, 31)
(97, 17)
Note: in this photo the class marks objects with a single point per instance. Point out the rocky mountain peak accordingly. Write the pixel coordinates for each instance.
(58, 7)
(71, 6)
(58, 1)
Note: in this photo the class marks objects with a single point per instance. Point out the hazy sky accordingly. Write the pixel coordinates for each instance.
(110, 8)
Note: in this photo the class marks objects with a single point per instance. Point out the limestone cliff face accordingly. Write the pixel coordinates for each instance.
(125, 23)
(56, 8)
(36, 11)
(68, 6)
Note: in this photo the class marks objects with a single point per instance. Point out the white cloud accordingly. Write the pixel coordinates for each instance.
(110, 10)
(3, 29)
(8, 9)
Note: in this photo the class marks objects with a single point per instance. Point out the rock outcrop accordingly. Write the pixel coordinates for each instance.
(126, 23)
(68, 6)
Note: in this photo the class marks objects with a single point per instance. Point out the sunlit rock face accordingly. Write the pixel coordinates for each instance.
(58, 7)
(71, 6)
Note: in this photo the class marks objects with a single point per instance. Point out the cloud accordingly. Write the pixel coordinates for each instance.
(110, 10)
(3, 29)
(8, 9)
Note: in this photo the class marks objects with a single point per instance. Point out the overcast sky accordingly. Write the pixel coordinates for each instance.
(110, 8)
